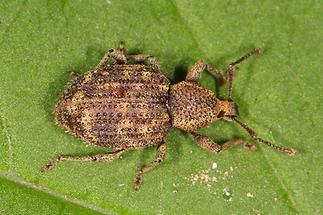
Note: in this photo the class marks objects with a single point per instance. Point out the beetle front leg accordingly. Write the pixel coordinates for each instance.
(75, 74)
(118, 55)
(98, 157)
(194, 73)
(160, 156)
(208, 144)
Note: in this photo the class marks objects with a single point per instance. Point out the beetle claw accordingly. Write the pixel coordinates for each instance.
(50, 165)
(290, 151)
(249, 146)
(138, 181)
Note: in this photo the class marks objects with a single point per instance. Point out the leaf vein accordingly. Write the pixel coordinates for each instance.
(282, 184)
(184, 22)
(54, 194)
(10, 149)
(16, 16)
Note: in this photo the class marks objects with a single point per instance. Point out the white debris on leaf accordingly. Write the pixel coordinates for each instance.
(209, 176)
(249, 194)
(214, 166)
(227, 194)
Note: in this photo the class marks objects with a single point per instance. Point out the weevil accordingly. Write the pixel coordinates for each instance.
(126, 103)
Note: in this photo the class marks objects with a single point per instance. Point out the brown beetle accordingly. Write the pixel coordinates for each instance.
(124, 105)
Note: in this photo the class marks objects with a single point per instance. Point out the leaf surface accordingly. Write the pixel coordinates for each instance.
(279, 94)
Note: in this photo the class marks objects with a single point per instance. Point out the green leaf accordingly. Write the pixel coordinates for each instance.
(20, 197)
(279, 94)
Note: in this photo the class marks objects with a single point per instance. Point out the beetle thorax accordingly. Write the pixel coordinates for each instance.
(193, 107)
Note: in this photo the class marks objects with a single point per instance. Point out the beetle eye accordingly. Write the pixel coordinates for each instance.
(232, 116)
(220, 114)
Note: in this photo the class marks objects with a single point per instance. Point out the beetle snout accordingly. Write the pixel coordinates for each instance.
(230, 110)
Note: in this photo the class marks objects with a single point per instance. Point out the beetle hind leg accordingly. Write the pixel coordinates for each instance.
(160, 156)
(118, 55)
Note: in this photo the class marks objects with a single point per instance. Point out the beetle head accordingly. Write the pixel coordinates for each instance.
(228, 110)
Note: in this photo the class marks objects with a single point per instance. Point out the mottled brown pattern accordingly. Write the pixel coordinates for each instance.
(192, 106)
(126, 106)
(119, 106)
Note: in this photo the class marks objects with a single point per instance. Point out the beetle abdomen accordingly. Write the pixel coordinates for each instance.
(120, 106)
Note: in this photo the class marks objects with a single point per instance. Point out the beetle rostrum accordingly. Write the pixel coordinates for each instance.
(125, 105)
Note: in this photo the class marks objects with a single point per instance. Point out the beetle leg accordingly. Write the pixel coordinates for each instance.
(117, 55)
(194, 73)
(160, 155)
(208, 144)
(151, 60)
(75, 74)
(104, 60)
(98, 157)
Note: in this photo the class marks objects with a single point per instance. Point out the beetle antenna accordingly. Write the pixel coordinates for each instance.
(252, 133)
(231, 69)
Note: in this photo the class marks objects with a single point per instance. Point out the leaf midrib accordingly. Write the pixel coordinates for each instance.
(19, 181)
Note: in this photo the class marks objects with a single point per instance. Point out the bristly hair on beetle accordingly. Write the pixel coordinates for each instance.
(125, 105)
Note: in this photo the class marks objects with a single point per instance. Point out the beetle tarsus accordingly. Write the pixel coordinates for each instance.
(50, 165)
(290, 151)
(160, 156)
(138, 180)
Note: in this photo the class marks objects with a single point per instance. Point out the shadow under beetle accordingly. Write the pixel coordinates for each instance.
(124, 105)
